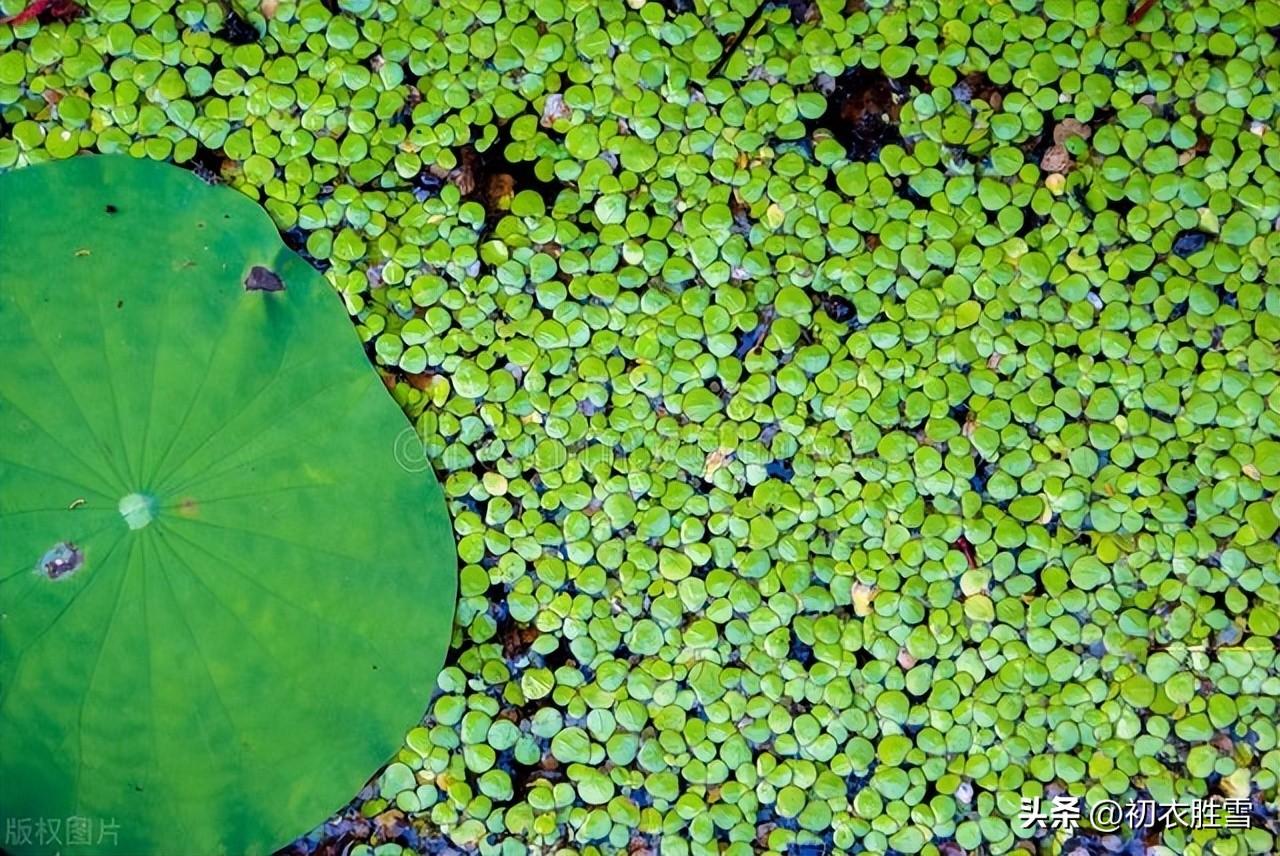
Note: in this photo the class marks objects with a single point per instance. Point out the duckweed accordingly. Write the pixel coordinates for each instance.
(857, 418)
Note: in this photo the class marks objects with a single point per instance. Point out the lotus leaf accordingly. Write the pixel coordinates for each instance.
(203, 518)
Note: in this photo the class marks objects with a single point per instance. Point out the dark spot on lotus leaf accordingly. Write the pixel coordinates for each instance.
(1189, 242)
(62, 559)
(111, 209)
(119, 304)
(262, 279)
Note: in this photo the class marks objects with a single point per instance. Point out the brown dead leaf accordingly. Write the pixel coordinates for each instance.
(762, 833)
(1056, 159)
(516, 640)
(639, 846)
(1070, 128)
(421, 382)
(553, 109)
(500, 189)
(390, 824)
(467, 172)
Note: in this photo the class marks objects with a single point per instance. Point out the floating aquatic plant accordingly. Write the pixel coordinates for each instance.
(857, 417)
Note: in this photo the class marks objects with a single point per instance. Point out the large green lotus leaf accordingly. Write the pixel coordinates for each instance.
(222, 600)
